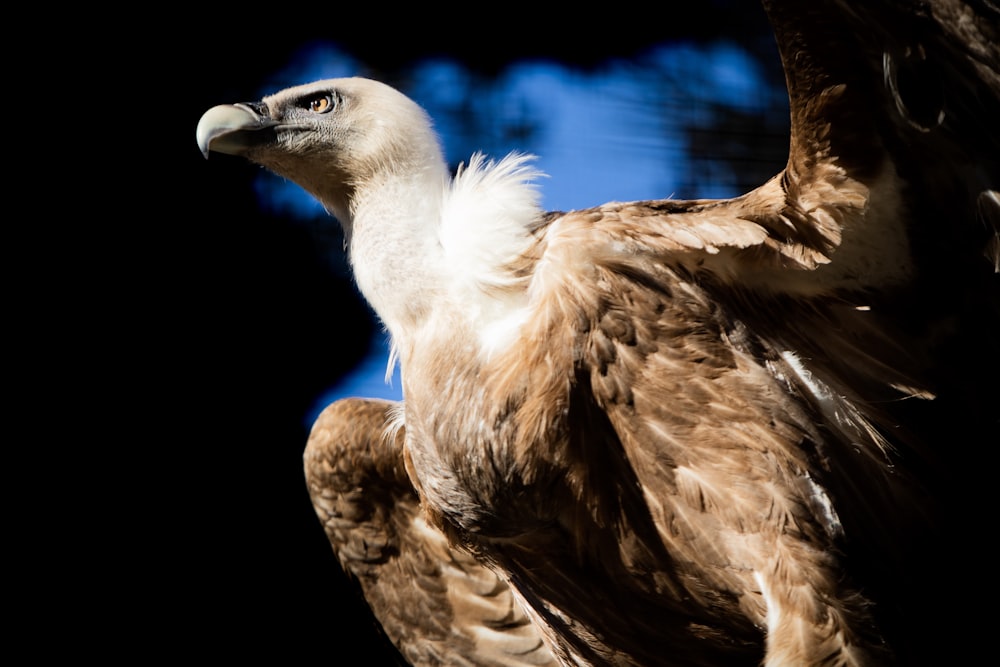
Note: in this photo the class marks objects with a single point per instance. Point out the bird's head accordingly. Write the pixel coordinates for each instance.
(335, 138)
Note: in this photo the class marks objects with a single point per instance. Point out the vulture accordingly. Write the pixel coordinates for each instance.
(748, 431)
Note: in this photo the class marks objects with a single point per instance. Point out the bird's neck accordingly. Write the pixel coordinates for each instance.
(393, 246)
(432, 254)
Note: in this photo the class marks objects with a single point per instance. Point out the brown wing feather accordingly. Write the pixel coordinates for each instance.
(437, 604)
(681, 435)
(733, 464)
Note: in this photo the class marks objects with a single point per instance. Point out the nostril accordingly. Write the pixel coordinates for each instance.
(258, 108)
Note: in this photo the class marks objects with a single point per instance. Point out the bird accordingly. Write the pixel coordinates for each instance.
(672, 432)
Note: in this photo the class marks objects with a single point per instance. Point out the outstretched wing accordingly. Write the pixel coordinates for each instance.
(790, 406)
(769, 392)
(437, 604)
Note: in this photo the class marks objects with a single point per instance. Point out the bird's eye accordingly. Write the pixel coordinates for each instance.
(322, 104)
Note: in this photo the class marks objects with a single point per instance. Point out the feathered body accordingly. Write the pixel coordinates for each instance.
(617, 440)
(680, 431)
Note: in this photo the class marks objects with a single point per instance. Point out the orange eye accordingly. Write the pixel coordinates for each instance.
(321, 104)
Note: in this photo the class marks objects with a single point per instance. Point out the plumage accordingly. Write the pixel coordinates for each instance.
(438, 603)
(702, 432)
